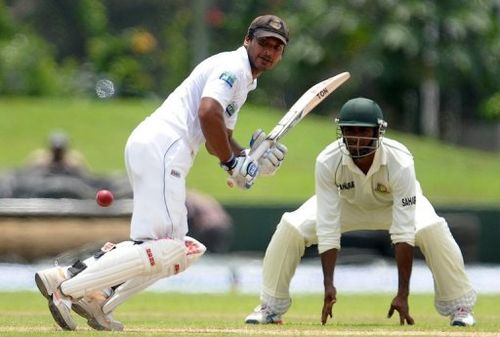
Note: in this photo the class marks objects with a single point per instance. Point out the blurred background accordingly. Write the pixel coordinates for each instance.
(77, 76)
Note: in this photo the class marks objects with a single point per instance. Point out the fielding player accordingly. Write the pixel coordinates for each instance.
(158, 156)
(365, 182)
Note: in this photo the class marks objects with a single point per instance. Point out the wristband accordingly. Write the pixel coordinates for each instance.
(230, 164)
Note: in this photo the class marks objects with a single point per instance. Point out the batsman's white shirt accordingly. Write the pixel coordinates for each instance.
(385, 198)
(161, 150)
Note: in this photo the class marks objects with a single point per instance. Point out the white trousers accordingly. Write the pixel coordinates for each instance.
(297, 230)
(157, 162)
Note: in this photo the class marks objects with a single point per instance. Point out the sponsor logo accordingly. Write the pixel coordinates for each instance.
(175, 173)
(231, 109)
(346, 186)
(108, 246)
(228, 77)
(252, 170)
(322, 93)
(150, 256)
(409, 201)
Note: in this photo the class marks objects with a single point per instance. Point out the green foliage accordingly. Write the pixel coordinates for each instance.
(390, 47)
(161, 314)
(491, 108)
(99, 129)
(27, 67)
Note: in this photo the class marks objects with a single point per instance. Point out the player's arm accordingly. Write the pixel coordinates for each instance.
(328, 232)
(402, 231)
(404, 259)
(328, 261)
(212, 124)
(218, 141)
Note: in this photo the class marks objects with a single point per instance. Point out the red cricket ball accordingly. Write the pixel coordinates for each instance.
(104, 198)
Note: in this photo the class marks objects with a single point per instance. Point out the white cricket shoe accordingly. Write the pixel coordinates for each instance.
(60, 308)
(90, 307)
(48, 280)
(462, 317)
(263, 315)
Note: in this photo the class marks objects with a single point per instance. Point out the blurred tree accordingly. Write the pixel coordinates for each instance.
(432, 64)
(411, 55)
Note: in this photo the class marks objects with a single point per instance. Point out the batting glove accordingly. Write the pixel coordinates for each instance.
(271, 160)
(242, 170)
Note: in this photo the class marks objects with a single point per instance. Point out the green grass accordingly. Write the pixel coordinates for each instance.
(168, 314)
(99, 129)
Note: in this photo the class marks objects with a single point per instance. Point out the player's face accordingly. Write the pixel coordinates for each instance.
(264, 53)
(360, 141)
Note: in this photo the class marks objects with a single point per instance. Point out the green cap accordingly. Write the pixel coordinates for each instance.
(360, 112)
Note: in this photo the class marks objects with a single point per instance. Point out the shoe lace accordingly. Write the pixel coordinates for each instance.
(461, 313)
(269, 314)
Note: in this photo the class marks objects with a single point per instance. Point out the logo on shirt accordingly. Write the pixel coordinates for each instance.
(381, 188)
(409, 201)
(231, 109)
(346, 186)
(228, 77)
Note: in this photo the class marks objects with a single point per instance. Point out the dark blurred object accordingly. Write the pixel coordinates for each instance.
(209, 222)
(55, 171)
(58, 157)
(59, 172)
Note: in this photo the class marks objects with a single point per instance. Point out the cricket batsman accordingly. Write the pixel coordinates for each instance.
(159, 153)
(365, 181)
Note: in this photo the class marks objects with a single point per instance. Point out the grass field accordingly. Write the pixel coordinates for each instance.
(167, 314)
(99, 129)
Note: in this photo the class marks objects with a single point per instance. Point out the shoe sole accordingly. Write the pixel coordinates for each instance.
(94, 324)
(56, 314)
(253, 321)
(41, 286)
(90, 321)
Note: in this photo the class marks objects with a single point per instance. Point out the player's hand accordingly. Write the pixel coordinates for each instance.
(242, 170)
(329, 300)
(400, 304)
(271, 160)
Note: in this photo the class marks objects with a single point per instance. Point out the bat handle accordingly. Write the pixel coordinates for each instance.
(261, 149)
(255, 155)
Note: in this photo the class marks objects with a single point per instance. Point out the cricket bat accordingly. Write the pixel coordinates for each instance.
(305, 104)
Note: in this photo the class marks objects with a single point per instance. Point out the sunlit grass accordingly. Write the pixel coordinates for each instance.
(99, 129)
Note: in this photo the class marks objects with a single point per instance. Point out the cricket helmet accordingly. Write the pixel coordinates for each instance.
(361, 112)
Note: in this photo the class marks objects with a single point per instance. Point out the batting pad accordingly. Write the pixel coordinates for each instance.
(127, 290)
(194, 250)
(158, 258)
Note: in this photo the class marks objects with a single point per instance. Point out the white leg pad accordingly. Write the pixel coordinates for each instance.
(158, 258)
(194, 250)
(127, 290)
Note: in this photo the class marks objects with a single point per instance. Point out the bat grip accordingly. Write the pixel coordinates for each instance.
(255, 155)
(261, 149)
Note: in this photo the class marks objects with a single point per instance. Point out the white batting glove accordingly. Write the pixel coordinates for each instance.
(242, 170)
(271, 160)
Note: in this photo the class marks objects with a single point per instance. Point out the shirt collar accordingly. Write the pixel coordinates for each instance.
(379, 160)
(251, 82)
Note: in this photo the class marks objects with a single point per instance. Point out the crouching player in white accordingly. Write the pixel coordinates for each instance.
(158, 155)
(365, 182)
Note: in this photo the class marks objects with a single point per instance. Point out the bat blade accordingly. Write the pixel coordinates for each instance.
(305, 104)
